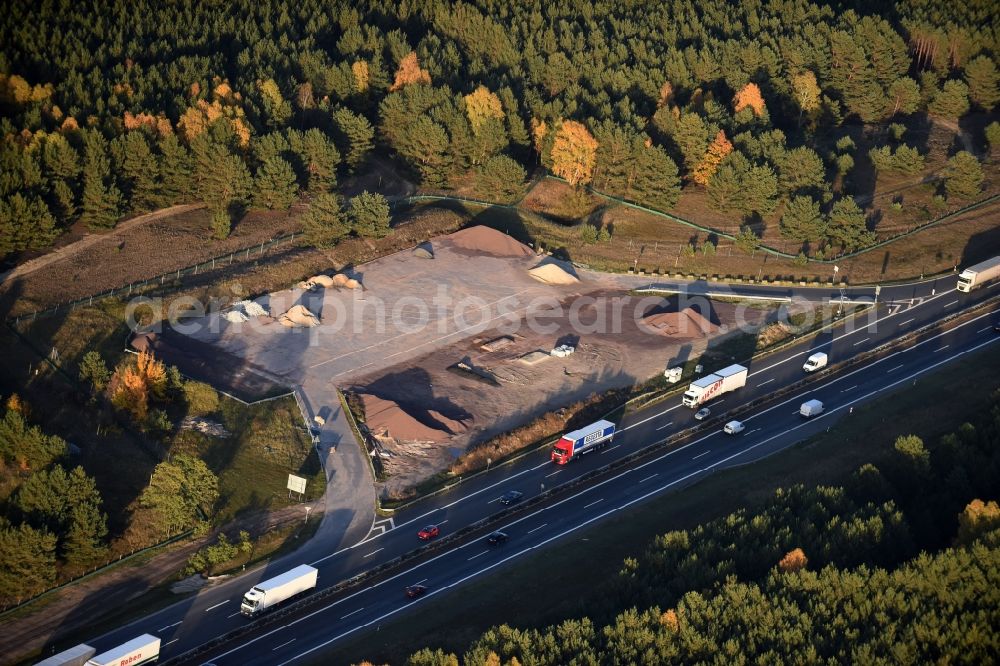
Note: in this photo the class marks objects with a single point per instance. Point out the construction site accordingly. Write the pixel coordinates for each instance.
(445, 345)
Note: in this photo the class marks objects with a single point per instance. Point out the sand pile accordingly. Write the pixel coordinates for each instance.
(339, 280)
(326, 282)
(385, 418)
(251, 308)
(553, 274)
(352, 284)
(235, 316)
(424, 251)
(484, 240)
(688, 323)
(298, 316)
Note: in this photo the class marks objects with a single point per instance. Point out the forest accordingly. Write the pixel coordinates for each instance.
(110, 109)
(899, 565)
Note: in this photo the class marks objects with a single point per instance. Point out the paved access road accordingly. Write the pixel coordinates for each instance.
(902, 309)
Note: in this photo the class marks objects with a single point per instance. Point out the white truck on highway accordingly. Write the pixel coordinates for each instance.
(75, 656)
(269, 593)
(815, 362)
(713, 385)
(811, 408)
(976, 276)
(143, 649)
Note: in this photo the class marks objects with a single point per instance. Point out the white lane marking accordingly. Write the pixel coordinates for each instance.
(221, 603)
(860, 342)
(476, 555)
(228, 616)
(984, 329)
(326, 557)
(647, 478)
(844, 335)
(750, 432)
(535, 529)
(355, 612)
(286, 643)
(587, 506)
(553, 506)
(665, 425)
(170, 626)
(767, 382)
(169, 642)
(849, 389)
(375, 551)
(638, 423)
(895, 369)
(495, 499)
(553, 473)
(610, 449)
(942, 348)
(702, 454)
(422, 580)
(952, 303)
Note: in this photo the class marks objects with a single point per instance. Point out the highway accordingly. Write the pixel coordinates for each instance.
(902, 309)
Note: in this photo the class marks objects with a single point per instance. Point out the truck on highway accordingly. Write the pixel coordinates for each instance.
(978, 275)
(143, 649)
(269, 593)
(75, 656)
(713, 385)
(811, 408)
(815, 362)
(574, 444)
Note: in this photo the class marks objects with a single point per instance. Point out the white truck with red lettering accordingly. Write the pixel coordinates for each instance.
(144, 649)
(75, 656)
(713, 385)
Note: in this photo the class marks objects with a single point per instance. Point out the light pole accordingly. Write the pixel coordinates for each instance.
(308, 508)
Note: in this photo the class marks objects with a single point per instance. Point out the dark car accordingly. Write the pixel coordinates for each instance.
(428, 532)
(511, 496)
(497, 538)
(414, 591)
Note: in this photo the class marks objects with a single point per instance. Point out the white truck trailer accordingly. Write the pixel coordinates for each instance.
(976, 276)
(815, 362)
(143, 649)
(75, 656)
(269, 593)
(713, 385)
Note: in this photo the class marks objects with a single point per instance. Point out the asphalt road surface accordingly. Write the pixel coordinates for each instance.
(902, 309)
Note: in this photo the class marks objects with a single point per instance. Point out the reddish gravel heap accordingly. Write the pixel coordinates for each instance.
(484, 240)
(688, 323)
(385, 418)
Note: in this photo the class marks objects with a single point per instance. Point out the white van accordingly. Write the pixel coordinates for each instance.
(811, 408)
(815, 362)
(733, 428)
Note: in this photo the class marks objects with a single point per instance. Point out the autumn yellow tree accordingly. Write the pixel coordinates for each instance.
(410, 72)
(806, 92)
(132, 385)
(482, 105)
(361, 75)
(978, 518)
(666, 93)
(709, 164)
(794, 560)
(670, 620)
(539, 130)
(749, 96)
(574, 153)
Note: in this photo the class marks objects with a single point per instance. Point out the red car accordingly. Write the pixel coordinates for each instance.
(429, 532)
(414, 591)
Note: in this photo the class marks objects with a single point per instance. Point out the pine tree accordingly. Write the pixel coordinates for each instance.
(963, 176)
(355, 136)
(325, 222)
(25, 224)
(425, 144)
(370, 215)
(904, 94)
(277, 109)
(515, 123)
(802, 220)
(501, 178)
(801, 171)
(984, 82)
(846, 225)
(952, 101)
(275, 187)
(993, 137)
(320, 158)
(175, 170)
(27, 562)
(139, 170)
(656, 181)
(101, 203)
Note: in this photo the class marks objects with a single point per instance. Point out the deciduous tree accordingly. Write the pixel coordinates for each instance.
(709, 164)
(749, 96)
(410, 73)
(574, 153)
(806, 91)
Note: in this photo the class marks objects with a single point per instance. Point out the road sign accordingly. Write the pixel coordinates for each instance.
(296, 484)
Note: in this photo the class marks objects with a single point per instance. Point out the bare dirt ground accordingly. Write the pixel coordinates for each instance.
(401, 336)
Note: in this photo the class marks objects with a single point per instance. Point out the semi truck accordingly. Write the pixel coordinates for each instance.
(75, 656)
(269, 593)
(574, 444)
(978, 275)
(811, 408)
(815, 362)
(713, 385)
(143, 649)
